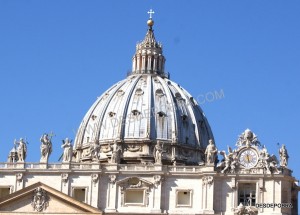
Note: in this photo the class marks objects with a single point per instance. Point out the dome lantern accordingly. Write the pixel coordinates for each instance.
(148, 58)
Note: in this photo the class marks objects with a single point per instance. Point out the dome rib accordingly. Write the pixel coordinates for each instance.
(149, 131)
(174, 123)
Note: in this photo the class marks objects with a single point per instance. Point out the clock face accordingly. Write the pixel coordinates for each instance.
(248, 158)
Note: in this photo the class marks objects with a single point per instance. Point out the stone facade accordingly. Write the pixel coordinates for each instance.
(105, 187)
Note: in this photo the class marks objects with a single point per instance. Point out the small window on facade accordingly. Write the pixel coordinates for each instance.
(247, 194)
(4, 191)
(134, 197)
(184, 198)
(79, 194)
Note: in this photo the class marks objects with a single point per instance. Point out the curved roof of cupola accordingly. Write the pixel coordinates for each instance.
(142, 110)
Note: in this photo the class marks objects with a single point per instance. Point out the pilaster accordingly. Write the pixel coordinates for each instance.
(208, 194)
(95, 179)
(156, 207)
(111, 194)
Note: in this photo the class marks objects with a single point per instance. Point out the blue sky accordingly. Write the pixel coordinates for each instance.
(56, 57)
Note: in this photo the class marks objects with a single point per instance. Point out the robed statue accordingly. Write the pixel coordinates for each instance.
(46, 147)
(67, 147)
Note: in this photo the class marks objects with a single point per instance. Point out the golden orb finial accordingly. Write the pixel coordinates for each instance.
(150, 22)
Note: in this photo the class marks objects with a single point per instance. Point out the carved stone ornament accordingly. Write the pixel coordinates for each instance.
(250, 157)
(134, 148)
(106, 149)
(19, 177)
(268, 162)
(157, 180)
(207, 180)
(64, 177)
(112, 179)
(95, 178)
(241, 210)
(247, 138)
(229, 162)
(40, 200)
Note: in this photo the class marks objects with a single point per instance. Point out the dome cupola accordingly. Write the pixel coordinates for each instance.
(145, 118)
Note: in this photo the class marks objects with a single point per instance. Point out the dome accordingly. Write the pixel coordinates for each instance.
(142, 114)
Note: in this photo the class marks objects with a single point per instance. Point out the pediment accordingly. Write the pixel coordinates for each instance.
(134, 182)
(42, 198)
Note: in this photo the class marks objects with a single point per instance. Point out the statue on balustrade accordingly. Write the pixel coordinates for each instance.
(21, 149)
(67, 147)
(46, 147)
(283, 154)
(211, 153)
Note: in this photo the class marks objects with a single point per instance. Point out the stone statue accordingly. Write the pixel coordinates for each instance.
(283, 154)
(267, 161)
(229, 162)
(95, 151)
(249, 210)
(211, 152)
(115, 156)
(247, 138)
(158, 151)
(240, 209)
(46, 147)
(21, 150)
(67, 154)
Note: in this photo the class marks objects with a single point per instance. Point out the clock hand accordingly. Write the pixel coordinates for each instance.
(248, 158)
